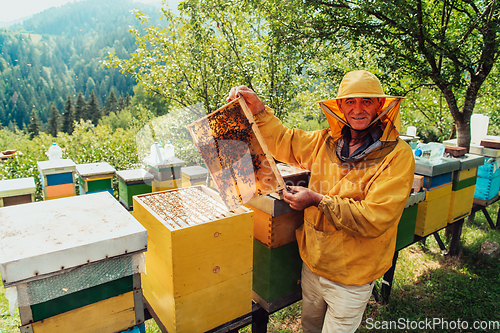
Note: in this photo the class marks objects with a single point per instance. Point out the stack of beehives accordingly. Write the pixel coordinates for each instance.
(75, 264)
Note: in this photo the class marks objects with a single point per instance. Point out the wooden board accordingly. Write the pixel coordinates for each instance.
(455, 151)
(418, 183)
(490, 143)
(126, 192)
(111, 315)
(134, 176)
(58, 179)
(235, 154)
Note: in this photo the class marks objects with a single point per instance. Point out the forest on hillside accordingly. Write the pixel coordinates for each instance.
(57, 53)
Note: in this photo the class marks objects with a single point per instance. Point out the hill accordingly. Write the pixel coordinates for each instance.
(56, 53)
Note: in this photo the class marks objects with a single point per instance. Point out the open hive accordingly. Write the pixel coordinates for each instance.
(235, 154)
(199, 254)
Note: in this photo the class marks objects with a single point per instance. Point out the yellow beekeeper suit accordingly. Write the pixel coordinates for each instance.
(350, 237)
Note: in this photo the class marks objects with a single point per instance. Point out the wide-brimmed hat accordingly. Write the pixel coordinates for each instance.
(360, 84)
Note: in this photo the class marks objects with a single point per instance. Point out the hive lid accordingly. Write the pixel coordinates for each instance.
(18, 186)
(469, 161)
(95, 169)
(235, 154)
(134, 175)
(56, 166)
(175, 162)
(194, 171)
(436, 168)
(46, 237)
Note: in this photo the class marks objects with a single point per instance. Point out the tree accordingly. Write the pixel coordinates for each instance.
(417, 43)
(93, 109)
(200, 55)
(53, 121)
(80, 107)
(68, 117)
(34, 125)
(111, 103)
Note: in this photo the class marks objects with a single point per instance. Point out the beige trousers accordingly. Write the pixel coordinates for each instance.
(331, 307)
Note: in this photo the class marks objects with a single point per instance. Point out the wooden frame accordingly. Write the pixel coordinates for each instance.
(235, 154)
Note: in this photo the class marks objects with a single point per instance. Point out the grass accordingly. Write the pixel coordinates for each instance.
(427, 286)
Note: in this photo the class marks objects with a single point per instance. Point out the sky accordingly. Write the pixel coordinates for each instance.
(11, 10)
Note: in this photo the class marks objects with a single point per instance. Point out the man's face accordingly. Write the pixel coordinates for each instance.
(360, 111)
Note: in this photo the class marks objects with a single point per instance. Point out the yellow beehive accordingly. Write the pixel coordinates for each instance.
(199, 258)
(432, 215)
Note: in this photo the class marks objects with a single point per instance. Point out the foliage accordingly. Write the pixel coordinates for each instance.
(448, 45)
(200, 55)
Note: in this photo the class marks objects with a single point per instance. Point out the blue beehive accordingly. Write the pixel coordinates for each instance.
(488, 179)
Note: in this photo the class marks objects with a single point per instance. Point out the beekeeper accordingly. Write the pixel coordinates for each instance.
(361, 177)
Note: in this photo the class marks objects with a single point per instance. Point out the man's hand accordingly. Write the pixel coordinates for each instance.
(253, 101)
(300, 197)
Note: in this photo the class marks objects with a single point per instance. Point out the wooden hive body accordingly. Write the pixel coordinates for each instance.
(133, 182)
(432, 213)
(58, 178)
(406, 226)
(202, 261)
(235, 154)
(95, 177)
(73, 265)
(17, 191)
(194, 175)
(276, 272)
(464, 183)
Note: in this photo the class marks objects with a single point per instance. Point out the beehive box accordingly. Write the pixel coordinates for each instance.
(235, 154)
(95, 177)
(406, 226)
(17, 191)
(274, 221)
(166, 170)
(464, 183)
(194, 175)
(276, 272)
(75, 264)
(432, 213)
(488, 179)
(58, 178)
(199, 259)
(132, 182)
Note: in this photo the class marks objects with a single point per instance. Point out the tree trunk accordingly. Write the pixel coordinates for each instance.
(463, 132)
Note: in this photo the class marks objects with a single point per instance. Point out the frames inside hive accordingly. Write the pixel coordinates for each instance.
(235, 154)
(184, 207)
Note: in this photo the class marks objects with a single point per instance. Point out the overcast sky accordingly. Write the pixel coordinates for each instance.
(11, 10)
